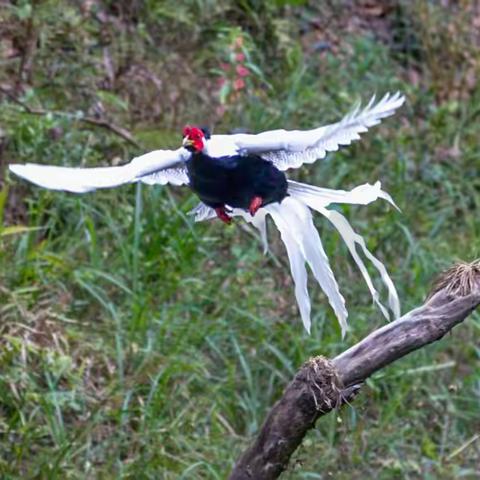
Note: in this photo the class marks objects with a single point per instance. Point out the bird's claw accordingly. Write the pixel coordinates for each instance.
(223, 215)
(255, 204)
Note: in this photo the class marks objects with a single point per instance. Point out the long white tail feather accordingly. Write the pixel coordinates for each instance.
(294, 217)
(318, 198)
(297, 268)
(259, 221)
(351, 238)
(302, 242)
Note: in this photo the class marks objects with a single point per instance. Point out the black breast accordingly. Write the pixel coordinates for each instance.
(235, 180)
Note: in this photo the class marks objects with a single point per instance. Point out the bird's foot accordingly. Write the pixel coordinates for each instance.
(255, 204)
(223, 215)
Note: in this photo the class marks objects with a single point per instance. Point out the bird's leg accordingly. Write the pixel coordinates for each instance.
(255, 204)
(222, 215)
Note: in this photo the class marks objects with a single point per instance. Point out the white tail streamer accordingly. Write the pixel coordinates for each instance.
(297, 268)
(303, 244)
(294, 219)
(351, 238)
(319, 198)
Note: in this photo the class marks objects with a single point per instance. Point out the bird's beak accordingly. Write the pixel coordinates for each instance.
(187, 142)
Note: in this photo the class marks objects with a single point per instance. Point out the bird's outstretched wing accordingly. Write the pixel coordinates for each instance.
(291, 149)
(157, 167)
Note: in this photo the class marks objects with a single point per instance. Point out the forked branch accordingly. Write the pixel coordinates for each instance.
(321, 385)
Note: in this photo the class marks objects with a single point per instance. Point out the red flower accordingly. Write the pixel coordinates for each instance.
(238, 84)
(242, 71)
(240, 57)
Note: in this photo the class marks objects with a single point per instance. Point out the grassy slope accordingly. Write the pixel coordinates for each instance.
(138, 345)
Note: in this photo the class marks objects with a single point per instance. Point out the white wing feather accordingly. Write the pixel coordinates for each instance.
(159, 166)
(291, 149)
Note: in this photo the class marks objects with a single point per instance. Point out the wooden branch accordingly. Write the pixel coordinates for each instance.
(98, 122)
(30, 47)
(321, 385)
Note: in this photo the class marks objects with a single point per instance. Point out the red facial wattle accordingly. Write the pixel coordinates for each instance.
(195, 136)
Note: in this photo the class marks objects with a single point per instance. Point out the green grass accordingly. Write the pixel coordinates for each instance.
(136, 344)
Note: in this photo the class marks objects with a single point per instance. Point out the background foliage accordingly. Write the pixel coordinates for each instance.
(135, 344)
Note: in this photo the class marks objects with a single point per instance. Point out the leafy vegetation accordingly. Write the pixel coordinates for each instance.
(135, 344)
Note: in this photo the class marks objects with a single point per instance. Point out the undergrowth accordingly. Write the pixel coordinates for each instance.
(135, 344)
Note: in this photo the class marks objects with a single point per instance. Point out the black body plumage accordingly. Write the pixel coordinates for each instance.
(235, 180)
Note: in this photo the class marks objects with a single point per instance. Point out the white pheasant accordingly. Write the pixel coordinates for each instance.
(242, 175)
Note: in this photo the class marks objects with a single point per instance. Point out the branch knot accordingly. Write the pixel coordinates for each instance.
(322, 383)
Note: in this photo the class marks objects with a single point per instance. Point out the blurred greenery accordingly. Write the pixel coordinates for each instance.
(135, 344)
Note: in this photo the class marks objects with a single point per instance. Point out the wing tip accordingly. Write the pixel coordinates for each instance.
(397, 98)
(17, 168)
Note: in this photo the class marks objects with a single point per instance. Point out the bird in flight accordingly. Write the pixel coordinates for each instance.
(243, 175)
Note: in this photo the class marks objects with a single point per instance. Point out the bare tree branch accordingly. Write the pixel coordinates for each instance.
(98, 122)
(30, 47)
(321, 384)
